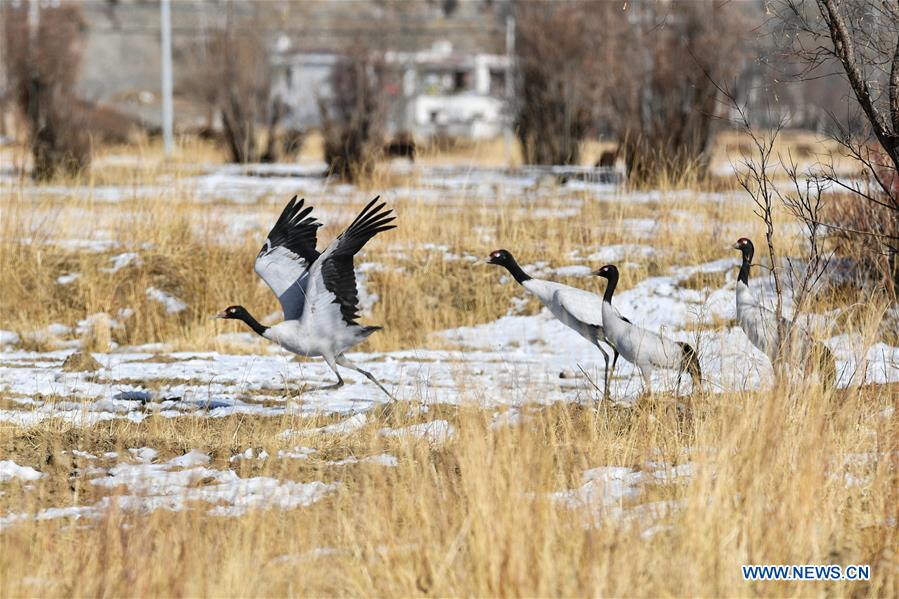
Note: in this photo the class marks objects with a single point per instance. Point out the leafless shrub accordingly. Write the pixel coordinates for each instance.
(42, 55)
(861, 40)
(234, 79)
(558, 62)
(867, 233)
(662, 91)
(245, 84)
(804, 200)
(755, 179)
(292, 141)
(352, 117)
(402, 145)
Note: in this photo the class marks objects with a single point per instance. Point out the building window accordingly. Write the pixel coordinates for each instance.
(497, 83)
(460, 80)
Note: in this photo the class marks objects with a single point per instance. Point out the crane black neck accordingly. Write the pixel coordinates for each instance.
(512, 266)
(251, 322)
(743, 277)
(612, 277)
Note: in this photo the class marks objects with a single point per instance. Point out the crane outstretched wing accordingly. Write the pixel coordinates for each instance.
(332, 279)
(288, 253)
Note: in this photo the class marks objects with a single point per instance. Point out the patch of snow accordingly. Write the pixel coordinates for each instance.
(434, 432)
(574, 270)
(511, 417)
(383, 459)
(612, 493)
(144, 454)
(57, 329)
(122, 260)
(8, 338)
(68, 279)
(172, 304)
(193, 458)
(98, 320)
(10, 470)
(351, 424)
(297, 453)
(603, 486)
(620, 252)
(247, 454)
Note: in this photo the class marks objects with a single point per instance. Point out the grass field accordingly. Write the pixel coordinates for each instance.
(194, 459)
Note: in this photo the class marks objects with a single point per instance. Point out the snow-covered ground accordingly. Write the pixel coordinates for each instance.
(514, 361)
(173, 484)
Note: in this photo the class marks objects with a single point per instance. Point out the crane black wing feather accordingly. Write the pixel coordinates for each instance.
(337, 269)
(285, 258)
(296, 231)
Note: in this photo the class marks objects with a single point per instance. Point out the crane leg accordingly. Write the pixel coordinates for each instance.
(647, 381)
(344, 361)
(339, 382)
(614, 362)
(606, 373)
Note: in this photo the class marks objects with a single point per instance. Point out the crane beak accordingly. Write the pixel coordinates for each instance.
(219, 315)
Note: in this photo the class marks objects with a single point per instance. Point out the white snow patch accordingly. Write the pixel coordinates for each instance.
(511, 417)
(68, 279)
(296, 453)
(122, 260)
(144, 454)
(10, 470)
(434, 432)
(8, 338)
(193, 458)
(351, 424)
(624, 251)
(603, 486)
(383, 459)
(574, 270)
(612, 493)
(175, 484)
(172, 304)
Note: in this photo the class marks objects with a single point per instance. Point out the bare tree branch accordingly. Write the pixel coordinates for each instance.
(845, 51)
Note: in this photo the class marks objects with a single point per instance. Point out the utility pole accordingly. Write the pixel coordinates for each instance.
(510, 91)
(35, 114)
(34, 22)
(165, 10)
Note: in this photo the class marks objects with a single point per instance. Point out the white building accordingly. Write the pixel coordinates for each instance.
(300, 80)
(451, 95)
(442, 93)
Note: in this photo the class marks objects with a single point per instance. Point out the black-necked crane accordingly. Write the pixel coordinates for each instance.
(760, 323)
(644, 349)
(317, 291)
(578, 309)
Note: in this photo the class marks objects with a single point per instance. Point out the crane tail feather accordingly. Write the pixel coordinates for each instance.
(690, 363)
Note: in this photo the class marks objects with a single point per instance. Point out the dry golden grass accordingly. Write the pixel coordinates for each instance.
(474, 515)
(179, 242)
